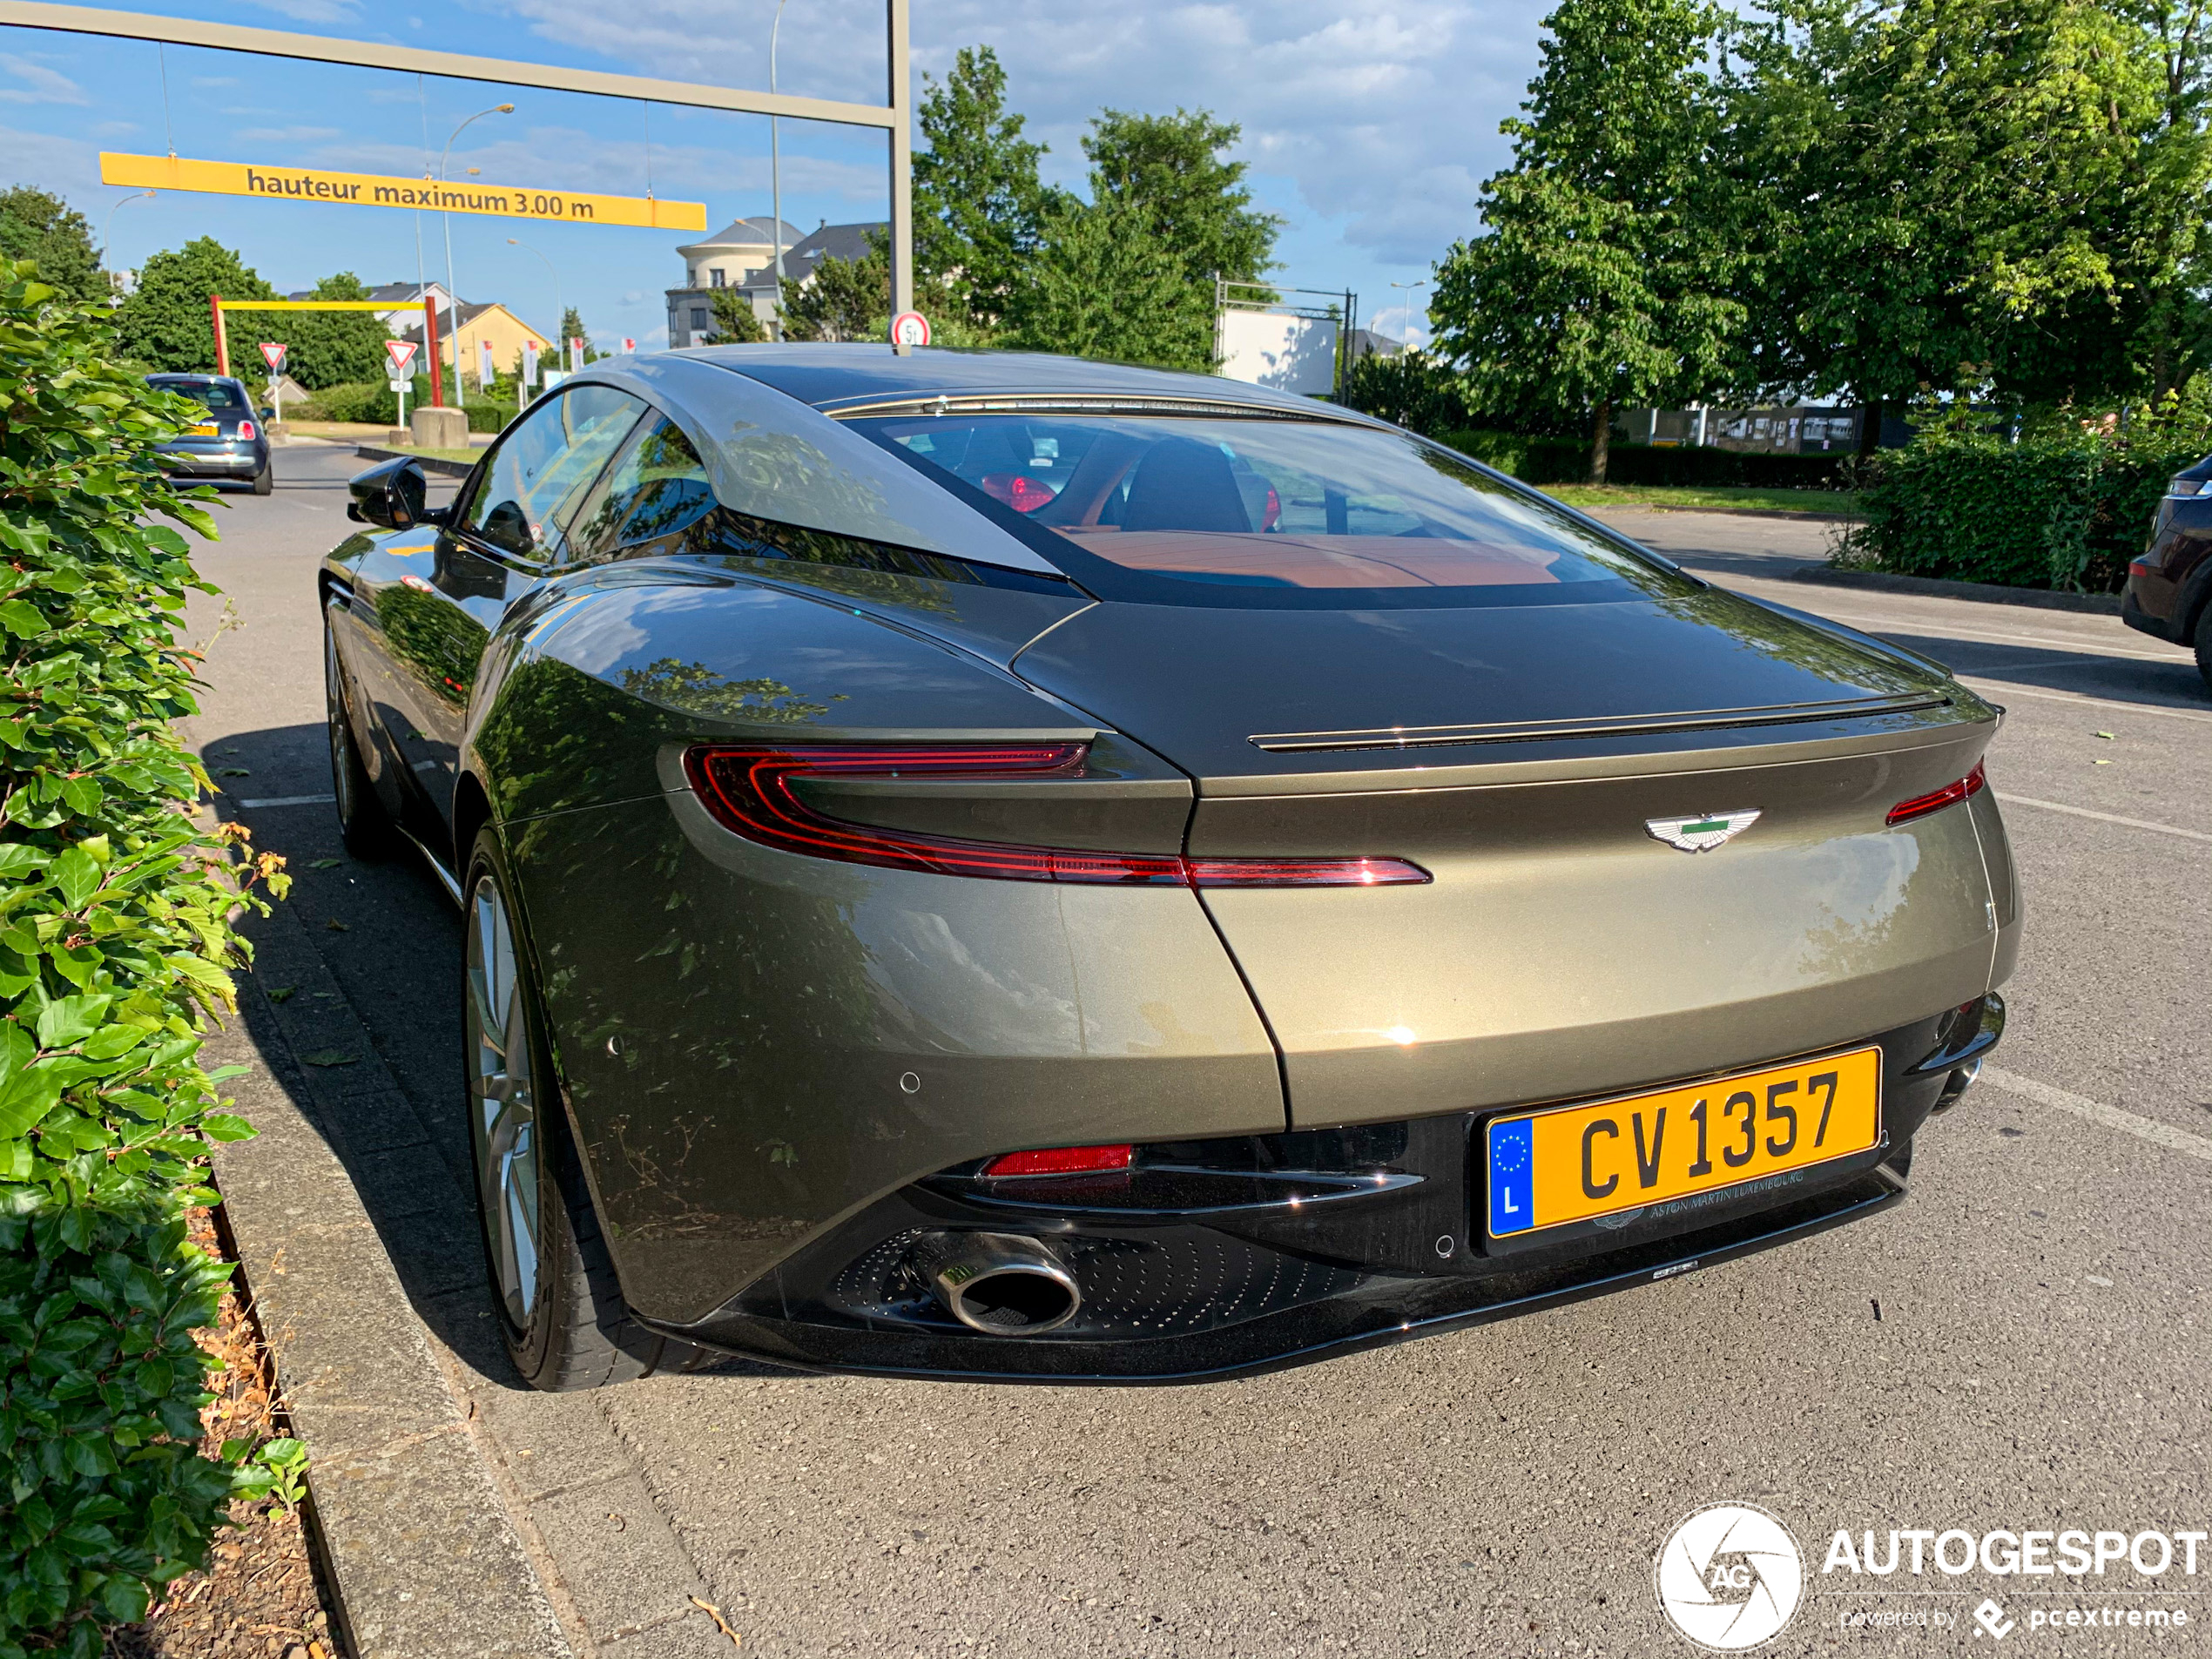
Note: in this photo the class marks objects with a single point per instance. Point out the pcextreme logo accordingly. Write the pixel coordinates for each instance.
(1730, 1577)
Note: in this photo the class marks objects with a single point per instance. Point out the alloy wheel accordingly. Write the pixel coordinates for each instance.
(504, 1104)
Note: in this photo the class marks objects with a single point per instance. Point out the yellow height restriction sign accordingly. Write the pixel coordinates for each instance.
(377, 190)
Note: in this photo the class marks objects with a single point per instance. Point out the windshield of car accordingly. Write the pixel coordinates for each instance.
(1199, 511)
(215, 394)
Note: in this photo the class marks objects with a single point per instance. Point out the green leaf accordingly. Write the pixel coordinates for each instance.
(64, 1021)
(225, 1126)
(21, 619)
(326, 864)
(20, 857)
(330, 1057)
(26, 1101)
(77, 872)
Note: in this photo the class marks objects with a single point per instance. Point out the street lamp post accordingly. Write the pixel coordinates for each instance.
(108, 225)
(1409, 287)
(559, 334)
(453, 296)
(776, 171)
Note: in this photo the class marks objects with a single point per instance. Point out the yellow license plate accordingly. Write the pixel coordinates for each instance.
(204, 429)
(1578, 1163)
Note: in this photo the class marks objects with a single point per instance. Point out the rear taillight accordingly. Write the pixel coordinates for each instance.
(749, 791)
(1018, 490)
(246, 431)
(1271, 514)
(1949, 795)
(1061, 1160)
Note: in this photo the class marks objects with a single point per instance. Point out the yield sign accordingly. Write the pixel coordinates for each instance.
(274, 353)
(402, 352)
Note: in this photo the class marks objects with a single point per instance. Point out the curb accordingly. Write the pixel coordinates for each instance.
(429, 463)
(2102, 605)
(425, 1559)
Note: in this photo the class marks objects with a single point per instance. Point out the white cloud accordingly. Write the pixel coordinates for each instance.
(214, 80)
(1383, 121)
(65, 165)
(40, 84)
(310, 10)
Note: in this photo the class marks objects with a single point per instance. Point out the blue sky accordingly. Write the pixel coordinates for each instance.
(1367, 130)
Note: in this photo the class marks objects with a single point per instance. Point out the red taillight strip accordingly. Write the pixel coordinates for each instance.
(749, 792)
(1949, 795)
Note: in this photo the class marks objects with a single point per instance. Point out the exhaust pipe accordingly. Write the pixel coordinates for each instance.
(1004, 1284)
(1955, 1085)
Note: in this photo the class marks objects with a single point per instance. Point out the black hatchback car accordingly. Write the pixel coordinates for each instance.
(2169, 588)
(231, 442)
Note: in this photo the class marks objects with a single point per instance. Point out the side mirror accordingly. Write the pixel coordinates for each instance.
(393, 496)
(266, 414)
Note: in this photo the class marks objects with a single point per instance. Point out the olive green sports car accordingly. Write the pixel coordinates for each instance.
(991, 866)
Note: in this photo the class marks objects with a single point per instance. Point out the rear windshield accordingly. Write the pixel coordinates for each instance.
(1306, 514)
(215, 394)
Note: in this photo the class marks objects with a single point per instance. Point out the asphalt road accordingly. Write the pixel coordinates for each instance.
(2020, 1346)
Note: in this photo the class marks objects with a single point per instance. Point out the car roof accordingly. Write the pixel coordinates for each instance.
(191, 379)
(845, 375)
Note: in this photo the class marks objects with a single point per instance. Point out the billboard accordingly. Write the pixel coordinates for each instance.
(1287, 353)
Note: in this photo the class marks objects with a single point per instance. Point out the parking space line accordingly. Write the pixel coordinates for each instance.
(2106, 818)
(290, 800)
(2064, 1100)
(2005, 688)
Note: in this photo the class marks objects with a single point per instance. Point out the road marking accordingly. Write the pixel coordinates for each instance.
(2004, 688)
(291, 800)
(1896, 625)
(2149, 1129)
(2107, 818)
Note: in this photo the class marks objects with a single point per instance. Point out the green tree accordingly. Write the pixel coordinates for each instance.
(735, 320)
(1170, 167)
(1106, 284)
(2001, 193)
(572, 328)
(843, 299)
(326, 348)
(1604, 278)
(41, 228)
(978, 205)
(166, 323)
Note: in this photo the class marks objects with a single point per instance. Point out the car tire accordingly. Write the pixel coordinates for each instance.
(265, 480)
(553, 1285)
(363, 824)
(2204, 644)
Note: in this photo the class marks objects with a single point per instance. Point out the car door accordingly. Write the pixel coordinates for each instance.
(509, 528)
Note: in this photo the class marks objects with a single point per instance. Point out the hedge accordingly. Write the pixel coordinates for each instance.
(2065, 507)
(372, 403)
(1566, 461)
(116, 948)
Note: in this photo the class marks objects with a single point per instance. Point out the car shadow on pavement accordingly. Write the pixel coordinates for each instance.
(353, 1004)
(2087, 673)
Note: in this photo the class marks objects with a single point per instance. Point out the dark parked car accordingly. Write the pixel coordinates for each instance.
(231, 443)
(2170, 588)
(994, 866)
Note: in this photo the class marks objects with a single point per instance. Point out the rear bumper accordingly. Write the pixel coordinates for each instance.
(217, 463)
(1379, 1246)
(2133, 612)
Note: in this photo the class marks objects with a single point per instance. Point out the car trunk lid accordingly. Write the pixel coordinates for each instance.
(1521, 757)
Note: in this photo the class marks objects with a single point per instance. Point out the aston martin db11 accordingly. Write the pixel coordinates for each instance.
(991, 866)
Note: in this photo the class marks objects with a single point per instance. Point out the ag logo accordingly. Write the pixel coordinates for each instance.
(1730, 1577)
(1701, 831)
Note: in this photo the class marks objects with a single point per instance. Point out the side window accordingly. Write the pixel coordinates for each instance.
(543, 465)
(657, 489)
